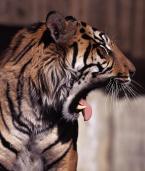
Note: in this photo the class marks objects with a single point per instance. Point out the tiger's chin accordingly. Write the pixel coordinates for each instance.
(76, 103)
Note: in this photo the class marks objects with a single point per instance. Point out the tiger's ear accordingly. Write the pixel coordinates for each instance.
(61, 30)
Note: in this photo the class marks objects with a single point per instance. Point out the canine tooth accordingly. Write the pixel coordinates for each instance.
(80, 107)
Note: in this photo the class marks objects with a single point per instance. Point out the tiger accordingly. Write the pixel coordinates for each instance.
(45, 75)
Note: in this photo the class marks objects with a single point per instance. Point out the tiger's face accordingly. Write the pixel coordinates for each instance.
(95, 58)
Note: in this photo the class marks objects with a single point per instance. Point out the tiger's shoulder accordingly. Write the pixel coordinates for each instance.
(25, 36)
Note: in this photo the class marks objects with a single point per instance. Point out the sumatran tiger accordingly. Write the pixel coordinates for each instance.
(45, 76)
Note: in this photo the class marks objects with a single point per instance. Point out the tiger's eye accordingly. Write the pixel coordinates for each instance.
(101, 52)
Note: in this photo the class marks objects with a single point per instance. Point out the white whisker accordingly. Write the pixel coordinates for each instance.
(133, 93)
(108, 88)
(137, 84)
(117, 93)
(125, 93)
(113, 94)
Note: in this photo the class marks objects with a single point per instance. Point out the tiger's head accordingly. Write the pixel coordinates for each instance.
(93, 57)
(68, 59)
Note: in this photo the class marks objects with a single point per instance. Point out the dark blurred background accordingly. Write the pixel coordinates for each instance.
(114, 140)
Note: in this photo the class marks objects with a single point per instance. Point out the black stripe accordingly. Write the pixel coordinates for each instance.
(109, 68)
(21, 127)
(20, 85)
(43, 82)
(51, 145)
(87, 66)
(100, 40)
(102, 52)
(10, 102)
(83, 24)
(3, 119)
(24, 67)
(50, 61)
(83, 75)
(101, 34)
(100, 67)
(18, 41)
(75, 53)
(2, 168)
(87, 37)
(14, 114)
(34, 94)
(82, 30)
(7, 144)
(86, 54)
(20, 56)
(23, 52)
(46, 39)
(49, 166)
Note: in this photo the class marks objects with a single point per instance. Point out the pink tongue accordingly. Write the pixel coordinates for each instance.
(87, 112)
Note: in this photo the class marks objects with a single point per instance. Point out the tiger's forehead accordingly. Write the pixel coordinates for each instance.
(102, 38)
(91, 33)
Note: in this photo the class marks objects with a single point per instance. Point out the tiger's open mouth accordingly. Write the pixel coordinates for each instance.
(79, 105)
(84, 108)
(76, 103)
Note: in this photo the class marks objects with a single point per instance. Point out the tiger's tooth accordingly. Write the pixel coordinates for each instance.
(80, 107)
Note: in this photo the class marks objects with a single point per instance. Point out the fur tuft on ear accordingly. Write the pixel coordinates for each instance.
(61, 30)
